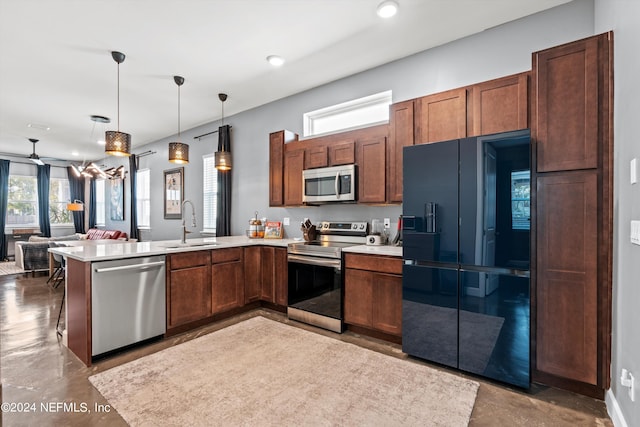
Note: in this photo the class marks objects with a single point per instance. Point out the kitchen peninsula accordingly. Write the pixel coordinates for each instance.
(205, 280)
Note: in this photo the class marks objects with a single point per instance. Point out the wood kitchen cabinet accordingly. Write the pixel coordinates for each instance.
(342, 153)
(277, 140)
(441, 116)
(266, 275)
(316, 157)
(573, 227)
(371, 170)
(188, 287)
(568, 94)
(500, 105)
(293, 167)
(227, 279)
(401, 134)
(274, 275)
(373, 292)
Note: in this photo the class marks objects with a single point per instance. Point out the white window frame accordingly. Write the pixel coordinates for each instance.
(100, 202)
(143, 198)
(35, 204)
(209, 193)
(61, 203)
(366, 111)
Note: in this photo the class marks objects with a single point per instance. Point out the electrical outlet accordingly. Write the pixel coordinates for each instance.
(634, 171)
(286, 220)
(627, 380)
(387, 223)
(635, 232)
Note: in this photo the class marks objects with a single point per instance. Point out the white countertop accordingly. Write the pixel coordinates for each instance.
(102, 250)
(90, 250)
(375, 250)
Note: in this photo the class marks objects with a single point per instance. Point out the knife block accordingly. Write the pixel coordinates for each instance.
(309, 234)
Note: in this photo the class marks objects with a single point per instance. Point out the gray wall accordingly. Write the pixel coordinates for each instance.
(622, 17)
(493, 53)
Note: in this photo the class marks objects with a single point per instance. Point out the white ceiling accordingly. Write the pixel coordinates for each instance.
(56, 68)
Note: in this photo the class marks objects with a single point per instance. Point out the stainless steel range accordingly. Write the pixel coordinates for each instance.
(315, 273)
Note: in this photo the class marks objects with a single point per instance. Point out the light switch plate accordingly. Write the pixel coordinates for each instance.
(387, 223)
(634, 171)
(286, 220)
(635, 232)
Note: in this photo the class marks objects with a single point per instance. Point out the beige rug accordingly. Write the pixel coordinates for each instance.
(264, 373)
(9, 267)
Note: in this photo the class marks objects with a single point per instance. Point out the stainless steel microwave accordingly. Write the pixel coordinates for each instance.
(326, 185)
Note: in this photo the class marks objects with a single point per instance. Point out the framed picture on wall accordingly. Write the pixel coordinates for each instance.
(117, 199)
(173, 193)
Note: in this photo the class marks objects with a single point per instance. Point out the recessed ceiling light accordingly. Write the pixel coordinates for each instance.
(387, 9)
(275, 60)
(75, 153)
(100, 142)
(38, 126)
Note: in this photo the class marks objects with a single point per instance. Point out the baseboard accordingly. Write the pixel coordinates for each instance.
(614, 410)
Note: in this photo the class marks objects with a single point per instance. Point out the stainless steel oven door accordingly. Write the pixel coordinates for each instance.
(315, 291)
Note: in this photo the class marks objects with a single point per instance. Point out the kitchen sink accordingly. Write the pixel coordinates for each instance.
(189, 245)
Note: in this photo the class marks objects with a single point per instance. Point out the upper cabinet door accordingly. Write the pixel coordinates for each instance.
(316, 157)
(400, 136)
(566, 103)
(342, 153)
(500, 105)
(276, 168)
(371, 170)
(293, 167)
(441, 117)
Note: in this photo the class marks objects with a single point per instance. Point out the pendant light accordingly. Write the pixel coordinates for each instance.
(222, 157)
(178, 152)
(117, 143)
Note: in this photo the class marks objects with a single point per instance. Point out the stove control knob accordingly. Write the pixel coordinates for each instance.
(354, 226)
(325, 225)
(361, 226)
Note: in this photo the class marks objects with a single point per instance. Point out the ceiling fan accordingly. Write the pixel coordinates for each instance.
(33, 156)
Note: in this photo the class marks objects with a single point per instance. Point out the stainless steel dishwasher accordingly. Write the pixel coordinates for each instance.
(127, 302)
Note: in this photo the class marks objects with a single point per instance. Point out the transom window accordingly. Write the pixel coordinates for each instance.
(367, 111)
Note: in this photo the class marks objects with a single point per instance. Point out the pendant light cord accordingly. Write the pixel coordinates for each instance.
(179, 113)
(118, 97)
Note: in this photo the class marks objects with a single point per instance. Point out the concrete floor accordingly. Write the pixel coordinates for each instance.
(38, 372)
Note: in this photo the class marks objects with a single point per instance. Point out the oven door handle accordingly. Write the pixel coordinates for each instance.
(323, 262)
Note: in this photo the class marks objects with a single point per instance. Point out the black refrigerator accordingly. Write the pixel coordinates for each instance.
(466, 253)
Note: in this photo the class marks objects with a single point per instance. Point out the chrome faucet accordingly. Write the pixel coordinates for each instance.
(193, 221)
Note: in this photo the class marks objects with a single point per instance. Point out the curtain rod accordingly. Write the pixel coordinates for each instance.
(31, 163)
(209, 133)
(146, 153)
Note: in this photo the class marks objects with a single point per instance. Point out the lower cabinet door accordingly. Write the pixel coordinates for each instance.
(358, 297)
(227, 284)
(387, 303)
(189, 295)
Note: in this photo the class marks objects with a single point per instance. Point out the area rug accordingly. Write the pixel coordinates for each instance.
(9, 267)
(265, 373)
(478, 332)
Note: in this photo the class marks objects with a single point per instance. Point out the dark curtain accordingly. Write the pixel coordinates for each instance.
(44, 173)
(4, 192)
(92, 203)
(223, 215)
(133, 168)
(76, 192)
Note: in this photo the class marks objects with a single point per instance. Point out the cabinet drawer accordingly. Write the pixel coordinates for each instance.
(188, 259)
(383, 264)
(226, 255)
